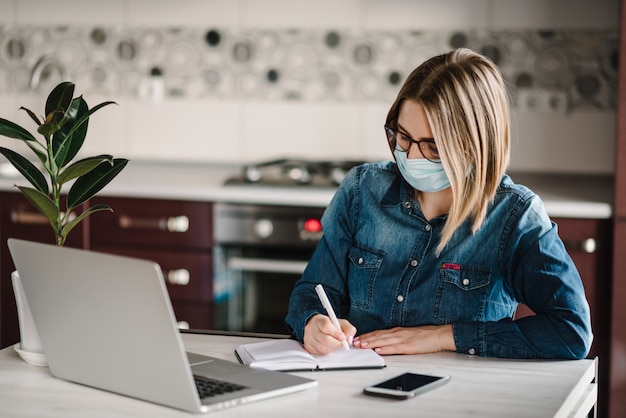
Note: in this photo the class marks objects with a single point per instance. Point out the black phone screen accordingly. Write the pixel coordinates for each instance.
(407, 382)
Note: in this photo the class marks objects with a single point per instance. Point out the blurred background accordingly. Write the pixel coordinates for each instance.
(249, 80)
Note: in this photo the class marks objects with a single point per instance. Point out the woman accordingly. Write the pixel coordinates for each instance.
(434, 251)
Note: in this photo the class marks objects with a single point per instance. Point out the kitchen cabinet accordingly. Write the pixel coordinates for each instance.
(176, 235)
(19, 219)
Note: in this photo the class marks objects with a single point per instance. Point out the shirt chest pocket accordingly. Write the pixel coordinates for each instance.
(461, 293)
(364, 264)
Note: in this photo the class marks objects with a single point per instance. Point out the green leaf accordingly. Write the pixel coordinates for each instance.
(40, 154)
(28, 170)
(82, 167)
(77, 131)
(84, 117)
(52, 123)
(44, 204)
(91, 183)
(32, 115)
(70, 225)
(67, 141)
(58, 103)
(100, 106)
(12, 130)
(60, 98)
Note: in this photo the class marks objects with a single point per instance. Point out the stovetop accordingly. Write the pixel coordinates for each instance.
(294, 172)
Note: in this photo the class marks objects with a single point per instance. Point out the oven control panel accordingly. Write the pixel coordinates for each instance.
(263, 228)
(311, 229)
(260, 224)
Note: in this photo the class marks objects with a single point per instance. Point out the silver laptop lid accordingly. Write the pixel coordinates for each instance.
(106, 321)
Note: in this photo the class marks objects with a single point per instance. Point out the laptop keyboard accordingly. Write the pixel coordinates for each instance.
(213, 387)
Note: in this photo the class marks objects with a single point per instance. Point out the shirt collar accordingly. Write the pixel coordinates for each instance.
(398, 192)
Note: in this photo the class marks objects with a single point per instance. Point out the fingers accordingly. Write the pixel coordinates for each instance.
(416, 340)
(322, 337)
(390, 341)
(348, 330)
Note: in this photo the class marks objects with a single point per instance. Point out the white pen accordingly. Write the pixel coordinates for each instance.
(329, 310)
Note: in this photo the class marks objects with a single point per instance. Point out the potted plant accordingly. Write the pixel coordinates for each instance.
(64, 129)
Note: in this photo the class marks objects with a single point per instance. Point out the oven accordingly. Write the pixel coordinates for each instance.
(260, 252)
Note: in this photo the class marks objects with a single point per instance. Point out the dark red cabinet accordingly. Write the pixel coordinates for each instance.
(617, 301)
(176, 235)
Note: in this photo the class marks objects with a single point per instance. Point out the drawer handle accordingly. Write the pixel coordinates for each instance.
(588, 245)
(171, 224)
(19, 217)
(178, 277)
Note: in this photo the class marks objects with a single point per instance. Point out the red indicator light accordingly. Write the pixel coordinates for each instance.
(312, 225)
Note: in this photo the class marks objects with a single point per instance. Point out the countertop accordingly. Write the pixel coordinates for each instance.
(571, 196)
(478, 386)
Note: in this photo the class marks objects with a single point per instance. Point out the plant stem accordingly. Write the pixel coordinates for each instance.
(56, 191)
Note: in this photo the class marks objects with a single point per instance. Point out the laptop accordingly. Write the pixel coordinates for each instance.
(106, 321)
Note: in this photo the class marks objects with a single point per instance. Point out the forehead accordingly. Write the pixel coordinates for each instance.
(413, 119)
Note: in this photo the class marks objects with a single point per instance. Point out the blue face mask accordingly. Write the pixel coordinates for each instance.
(422, 174)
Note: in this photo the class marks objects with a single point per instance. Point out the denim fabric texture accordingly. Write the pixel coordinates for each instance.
(378, 264)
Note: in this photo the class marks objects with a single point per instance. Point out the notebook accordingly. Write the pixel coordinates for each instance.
(290, 355)
(106, 321)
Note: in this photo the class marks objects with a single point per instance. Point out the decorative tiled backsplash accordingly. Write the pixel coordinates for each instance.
(557, 70)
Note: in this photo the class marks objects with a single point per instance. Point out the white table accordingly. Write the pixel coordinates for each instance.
(479, 387)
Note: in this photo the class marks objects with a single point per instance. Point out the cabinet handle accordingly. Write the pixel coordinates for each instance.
(589, 245)
(171, 224)
(178, 277)
(19, 217)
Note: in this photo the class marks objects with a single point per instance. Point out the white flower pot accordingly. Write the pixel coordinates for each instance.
(29, 348)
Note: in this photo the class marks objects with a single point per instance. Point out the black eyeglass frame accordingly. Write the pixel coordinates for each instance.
(393, 142)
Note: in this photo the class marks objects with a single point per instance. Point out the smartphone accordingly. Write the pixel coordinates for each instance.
(406, 385)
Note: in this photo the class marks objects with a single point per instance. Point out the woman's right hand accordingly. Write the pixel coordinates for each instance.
(322, 337)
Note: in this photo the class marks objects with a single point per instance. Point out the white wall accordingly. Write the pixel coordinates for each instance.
(243, 130)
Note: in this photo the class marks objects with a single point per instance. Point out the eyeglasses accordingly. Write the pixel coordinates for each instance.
(402, 142)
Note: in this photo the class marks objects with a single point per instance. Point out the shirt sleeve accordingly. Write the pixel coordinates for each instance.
(328, 265)
(540, 274)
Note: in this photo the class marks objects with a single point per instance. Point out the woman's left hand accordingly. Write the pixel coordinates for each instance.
(414, 340)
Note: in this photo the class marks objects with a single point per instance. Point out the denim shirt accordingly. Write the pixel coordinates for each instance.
(378, 263)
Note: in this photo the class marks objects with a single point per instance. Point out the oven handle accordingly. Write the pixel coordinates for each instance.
(265, 265)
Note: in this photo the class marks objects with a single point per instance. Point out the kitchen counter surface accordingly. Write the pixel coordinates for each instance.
(571, 196)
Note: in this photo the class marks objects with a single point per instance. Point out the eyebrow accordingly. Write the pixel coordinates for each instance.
(406, 132)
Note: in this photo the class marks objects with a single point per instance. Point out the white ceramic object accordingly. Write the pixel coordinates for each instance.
(36, 359)
(29, 348)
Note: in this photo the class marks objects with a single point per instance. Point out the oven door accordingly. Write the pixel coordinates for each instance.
(252, 286)
(260, 252)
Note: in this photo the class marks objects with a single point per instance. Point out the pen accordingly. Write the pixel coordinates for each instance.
(329, 309)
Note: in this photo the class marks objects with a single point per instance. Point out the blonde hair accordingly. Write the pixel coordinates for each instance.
(467, 106)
